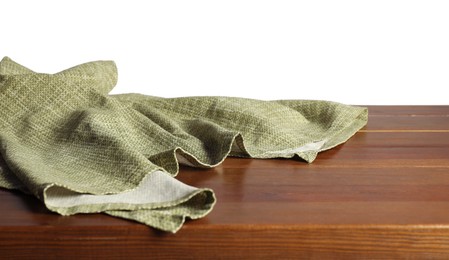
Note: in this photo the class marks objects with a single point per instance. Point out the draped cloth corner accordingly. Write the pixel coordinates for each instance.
(64, 139)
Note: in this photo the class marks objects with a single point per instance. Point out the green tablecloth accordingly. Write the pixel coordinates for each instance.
(80, 150)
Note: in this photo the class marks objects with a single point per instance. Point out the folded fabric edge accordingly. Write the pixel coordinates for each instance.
(233, 143)
(170, 219)
(348, 130)
(157, 191)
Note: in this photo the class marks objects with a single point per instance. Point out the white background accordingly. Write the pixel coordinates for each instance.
(355, 52)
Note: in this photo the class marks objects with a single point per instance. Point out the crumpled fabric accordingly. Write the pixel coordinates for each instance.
(79, 150)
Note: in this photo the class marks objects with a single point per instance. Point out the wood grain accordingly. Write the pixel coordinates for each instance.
(384, 194)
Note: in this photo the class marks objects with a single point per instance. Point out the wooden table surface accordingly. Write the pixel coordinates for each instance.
(384, 194)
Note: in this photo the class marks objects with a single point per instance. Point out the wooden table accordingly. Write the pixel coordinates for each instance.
(383, 194)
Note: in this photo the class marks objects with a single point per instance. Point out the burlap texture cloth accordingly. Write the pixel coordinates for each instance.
(79, 150)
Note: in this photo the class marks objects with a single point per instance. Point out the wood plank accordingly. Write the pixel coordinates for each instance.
(311, 176)
(384, 194)
(402, 123)
(408, 119)
(408, 110)
(236, 242)
(328, 213)
(398, 139)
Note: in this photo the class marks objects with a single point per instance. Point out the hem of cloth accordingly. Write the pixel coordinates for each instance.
(157, 191)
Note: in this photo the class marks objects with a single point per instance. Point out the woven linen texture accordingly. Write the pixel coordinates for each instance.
(79, 150)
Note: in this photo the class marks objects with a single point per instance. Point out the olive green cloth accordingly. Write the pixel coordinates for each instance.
(80, 150)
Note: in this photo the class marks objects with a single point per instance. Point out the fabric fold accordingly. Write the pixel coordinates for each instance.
(80, 150)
